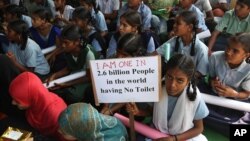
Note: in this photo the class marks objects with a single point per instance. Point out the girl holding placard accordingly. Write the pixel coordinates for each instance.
(181, 109)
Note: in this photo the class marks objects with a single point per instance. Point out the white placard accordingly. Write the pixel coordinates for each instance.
(126, 79)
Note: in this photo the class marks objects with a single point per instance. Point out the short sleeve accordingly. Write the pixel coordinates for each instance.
(201, 111)
(96, 45)
(151, 46)
(246, 83)
(116, 4)
(212, 66)
(90, 56)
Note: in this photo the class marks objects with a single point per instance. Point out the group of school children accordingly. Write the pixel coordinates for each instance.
(86, 30)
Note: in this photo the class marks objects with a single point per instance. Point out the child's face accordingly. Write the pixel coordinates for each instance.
(235, 54)
(12, 35)
(80, 23)
(241, 10)
(8, 17)
(134, 4)
(125, 27)
(181, 27)
(85, 5)
(59, 3)
(37, 21)
(185, 3)
(176, 81)
(69, 46)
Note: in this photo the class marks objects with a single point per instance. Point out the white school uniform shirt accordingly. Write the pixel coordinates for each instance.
(31, 56)
(67, 13)
(203, 5)
(108, 6)
(237, 78)
(201, 53)
(100, 20)
(183, 113)
(27, 20)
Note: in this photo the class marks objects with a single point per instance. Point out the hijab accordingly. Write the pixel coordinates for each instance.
(44, 107)
(83, 122)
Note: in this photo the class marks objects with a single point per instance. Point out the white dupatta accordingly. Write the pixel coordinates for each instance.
(182, 116)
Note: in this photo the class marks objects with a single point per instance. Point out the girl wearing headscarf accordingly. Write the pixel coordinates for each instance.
(42, 107)
(82, 122)
(15, 117)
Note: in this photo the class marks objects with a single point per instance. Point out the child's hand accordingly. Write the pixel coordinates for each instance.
(132, 108)
(49, 79)
(226, 91)
(59, 86)
(106, 110)
(215, 82)
(11, 56)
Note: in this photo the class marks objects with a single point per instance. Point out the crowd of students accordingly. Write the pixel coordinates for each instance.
(98, 29)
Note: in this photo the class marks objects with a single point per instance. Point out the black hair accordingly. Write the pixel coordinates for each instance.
(246, 2)
(83, 14)
(42, 13)
(133, 18)
(21, 28)
(188, 17)
(14, 9)
(93, 3)
(132, 44)
(71, 32)
(186, 65)
(242, 38)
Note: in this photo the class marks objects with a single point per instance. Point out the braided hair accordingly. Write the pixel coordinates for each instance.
(186, 65)
(190, 18)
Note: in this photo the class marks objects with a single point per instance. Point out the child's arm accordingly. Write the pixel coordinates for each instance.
(56, 75)
(113, 109)
(227, 91)
(131, 107)
(212, 40)
(17, 64)
(193, 132)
